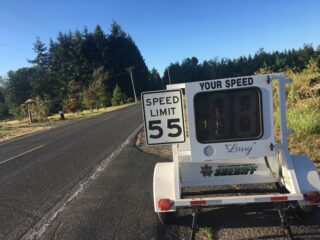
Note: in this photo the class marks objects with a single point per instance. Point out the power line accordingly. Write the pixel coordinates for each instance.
(23, 16)
(18, 29)
(13, 47)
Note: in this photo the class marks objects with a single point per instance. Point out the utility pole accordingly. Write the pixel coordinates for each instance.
(169, 75)
(129, 69)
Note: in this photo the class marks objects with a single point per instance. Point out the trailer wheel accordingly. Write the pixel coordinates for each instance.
(305, 212)
(166, 217)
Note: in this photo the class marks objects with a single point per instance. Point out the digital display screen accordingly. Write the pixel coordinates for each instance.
(228, 115)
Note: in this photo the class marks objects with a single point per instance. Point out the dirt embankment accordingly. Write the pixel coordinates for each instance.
(163, 150)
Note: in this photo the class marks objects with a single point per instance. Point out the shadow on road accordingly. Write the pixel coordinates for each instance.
(242, 222)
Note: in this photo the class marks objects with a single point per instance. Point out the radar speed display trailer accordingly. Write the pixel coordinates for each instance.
(230, 141)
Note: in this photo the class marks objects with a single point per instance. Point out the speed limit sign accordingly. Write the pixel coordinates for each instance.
(163, 117)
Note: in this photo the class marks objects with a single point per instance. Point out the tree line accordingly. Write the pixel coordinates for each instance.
(86, 70)
(80, 70)
(190, 69)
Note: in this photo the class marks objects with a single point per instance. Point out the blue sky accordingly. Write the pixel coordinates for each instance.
(165, 31)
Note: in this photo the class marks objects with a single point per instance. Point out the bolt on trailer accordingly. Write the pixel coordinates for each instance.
(230, 141)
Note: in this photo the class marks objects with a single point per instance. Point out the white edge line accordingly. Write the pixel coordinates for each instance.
(39, 228)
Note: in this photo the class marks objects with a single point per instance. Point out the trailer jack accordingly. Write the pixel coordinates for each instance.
(194, 226)
(285, 218)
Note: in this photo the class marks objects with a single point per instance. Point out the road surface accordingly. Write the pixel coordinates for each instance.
(36, 172)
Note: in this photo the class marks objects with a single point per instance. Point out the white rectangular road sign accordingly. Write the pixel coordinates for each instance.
(232, 117)
(163, 117)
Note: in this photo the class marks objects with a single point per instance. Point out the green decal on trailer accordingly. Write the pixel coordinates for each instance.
(244, 169)
(231, 170)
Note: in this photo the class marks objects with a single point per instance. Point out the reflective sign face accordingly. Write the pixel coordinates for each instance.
(228, 115)
(163, 117)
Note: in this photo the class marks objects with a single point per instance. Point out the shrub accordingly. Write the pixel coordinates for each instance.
(71, 105)
(3, 110)
(18, 112)
(39, 109)
(117, 97)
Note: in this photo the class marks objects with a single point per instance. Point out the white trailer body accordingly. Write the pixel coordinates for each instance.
(231, 141)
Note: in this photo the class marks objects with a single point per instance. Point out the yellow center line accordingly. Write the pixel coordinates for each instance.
(21, 154)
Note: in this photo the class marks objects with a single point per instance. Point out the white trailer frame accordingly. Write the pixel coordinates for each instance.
(295, 172)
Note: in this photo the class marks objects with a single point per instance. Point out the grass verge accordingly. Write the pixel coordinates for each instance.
(14, 128)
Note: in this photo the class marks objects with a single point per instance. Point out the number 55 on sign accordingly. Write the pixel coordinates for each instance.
(163, 117)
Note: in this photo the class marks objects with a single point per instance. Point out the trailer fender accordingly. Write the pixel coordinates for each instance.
(307, 175)
(163, 185)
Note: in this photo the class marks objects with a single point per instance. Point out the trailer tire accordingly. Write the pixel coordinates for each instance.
(305, 212)
(166, 217)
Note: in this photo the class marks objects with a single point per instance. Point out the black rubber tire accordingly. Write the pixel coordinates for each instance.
(167, 217)
(305, 212)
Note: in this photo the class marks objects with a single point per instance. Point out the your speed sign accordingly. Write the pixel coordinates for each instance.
(163, 117)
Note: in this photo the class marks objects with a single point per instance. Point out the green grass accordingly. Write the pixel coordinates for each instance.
(303, 116)
(301, 119)
(304, 120)
(306, 137)
(205, 233)
(307, 144)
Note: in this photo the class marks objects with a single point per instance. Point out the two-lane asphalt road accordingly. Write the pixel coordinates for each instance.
(36, 172)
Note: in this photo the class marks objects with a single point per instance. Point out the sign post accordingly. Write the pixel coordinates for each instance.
(163, 117)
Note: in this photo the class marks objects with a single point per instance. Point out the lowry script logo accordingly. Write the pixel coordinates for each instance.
(234, 147)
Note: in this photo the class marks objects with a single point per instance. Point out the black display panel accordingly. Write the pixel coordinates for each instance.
(228, 115)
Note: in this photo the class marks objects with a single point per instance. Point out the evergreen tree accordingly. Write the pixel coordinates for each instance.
(3, 107)
(74, 99)
(117, 96)
(97, 95)
(101, 77)
(155, 81)
(42, 57)
(122, 53)
(18, 88)
(40, 81)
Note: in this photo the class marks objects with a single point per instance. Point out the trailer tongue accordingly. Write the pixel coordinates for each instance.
(230, 141)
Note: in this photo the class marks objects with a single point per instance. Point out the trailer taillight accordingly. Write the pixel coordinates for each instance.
(279, 198)
(197, 202)
(312, 197)
(164, 204)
